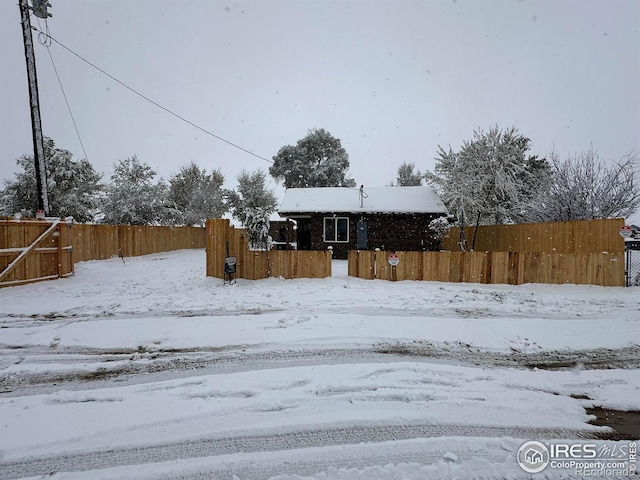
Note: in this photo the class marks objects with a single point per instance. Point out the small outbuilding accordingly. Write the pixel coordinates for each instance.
(389, 218)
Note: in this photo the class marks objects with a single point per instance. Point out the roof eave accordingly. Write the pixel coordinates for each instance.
(337, 212)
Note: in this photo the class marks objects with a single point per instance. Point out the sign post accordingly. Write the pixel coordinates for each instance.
(229, 268)
(393, 260)
(229, 264)
(626, 231)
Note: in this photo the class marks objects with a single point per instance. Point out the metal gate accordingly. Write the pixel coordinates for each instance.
(632, 263)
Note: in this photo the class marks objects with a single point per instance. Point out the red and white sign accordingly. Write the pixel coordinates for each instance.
(626, 231)
(393, 260)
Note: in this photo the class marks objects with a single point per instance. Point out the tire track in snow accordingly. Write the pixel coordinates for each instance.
(134, 366)
(266, 442)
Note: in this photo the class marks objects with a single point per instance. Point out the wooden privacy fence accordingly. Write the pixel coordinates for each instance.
(98, 242)
(224, 240)
(33, 250)
(515, 268)
(581, 236)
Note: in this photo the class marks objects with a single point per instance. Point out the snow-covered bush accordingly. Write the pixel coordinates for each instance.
(440, 227)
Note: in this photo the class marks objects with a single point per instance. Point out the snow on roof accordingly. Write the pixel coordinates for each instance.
(347, 200)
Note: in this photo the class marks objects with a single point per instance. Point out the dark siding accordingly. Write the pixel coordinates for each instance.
(395, 232)
(406, 232)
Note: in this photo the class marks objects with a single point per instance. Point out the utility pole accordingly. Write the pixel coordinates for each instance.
(36, 122)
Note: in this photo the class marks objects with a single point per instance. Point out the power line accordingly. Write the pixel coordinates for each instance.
(153, 102)
(73, 120)
(45, 40)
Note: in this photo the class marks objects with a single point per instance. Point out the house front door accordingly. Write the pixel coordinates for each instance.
(303, 234)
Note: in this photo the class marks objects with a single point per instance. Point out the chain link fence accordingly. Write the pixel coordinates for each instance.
(632, 267)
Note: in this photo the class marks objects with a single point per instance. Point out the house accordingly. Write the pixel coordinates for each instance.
(389, 218)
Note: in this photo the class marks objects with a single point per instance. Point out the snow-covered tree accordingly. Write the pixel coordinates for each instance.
(258, 228)
(134, 199)
(317, 160)
(490, 180)
(253, 203)
(73, 186)
(252, 194)
(407, 177)
(584, 187)
(197, 195)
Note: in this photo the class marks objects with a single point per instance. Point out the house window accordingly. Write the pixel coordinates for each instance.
(336, 229)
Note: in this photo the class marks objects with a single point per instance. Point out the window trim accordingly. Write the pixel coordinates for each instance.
(335, 226)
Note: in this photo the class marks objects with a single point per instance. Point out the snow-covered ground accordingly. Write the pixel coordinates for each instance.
(148, 369)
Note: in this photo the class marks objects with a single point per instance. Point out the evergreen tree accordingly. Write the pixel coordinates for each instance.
(197, 195)
(134, 199)
(73, 186)
(317, 160)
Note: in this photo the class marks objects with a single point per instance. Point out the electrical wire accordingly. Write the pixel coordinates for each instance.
(73, 120)
(45, 40)
(152, 101)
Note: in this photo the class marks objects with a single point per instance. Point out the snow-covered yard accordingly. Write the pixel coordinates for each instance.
(148, 369)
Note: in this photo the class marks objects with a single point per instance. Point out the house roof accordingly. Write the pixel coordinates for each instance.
(347, 200)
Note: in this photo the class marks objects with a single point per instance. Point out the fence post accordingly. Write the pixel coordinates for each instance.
(375, 264)
(59, 232)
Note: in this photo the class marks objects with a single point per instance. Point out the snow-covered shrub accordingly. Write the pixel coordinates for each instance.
(440, 227)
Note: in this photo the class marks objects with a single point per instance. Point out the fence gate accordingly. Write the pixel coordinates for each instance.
(34, 250)
(632, 263)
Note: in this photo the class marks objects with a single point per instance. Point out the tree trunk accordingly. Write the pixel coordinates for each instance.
(266, 252)
(475, 233)
(463, 238)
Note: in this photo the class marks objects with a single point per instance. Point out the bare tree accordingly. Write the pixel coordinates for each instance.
(584, 187)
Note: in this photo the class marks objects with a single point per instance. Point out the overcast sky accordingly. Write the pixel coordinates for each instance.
(391, 79)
